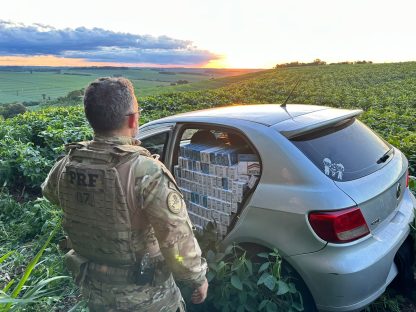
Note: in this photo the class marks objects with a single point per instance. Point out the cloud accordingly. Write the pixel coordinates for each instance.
(98, 45)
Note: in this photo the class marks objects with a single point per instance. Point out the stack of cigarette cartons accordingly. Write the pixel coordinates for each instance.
(213, 181)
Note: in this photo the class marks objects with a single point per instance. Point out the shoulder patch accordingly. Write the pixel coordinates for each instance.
(174, 201)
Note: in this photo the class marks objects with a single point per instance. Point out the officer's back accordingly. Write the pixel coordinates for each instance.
(125, 218)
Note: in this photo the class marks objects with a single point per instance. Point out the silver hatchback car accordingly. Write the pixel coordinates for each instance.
(312, 181)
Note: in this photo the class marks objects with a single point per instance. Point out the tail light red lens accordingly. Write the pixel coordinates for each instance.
(340, 226)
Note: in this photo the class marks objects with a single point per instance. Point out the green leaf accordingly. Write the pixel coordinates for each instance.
(292, 288)
(210, 256)
(236, 282)
(249, 266)
(213, 266)
(210, 276)
(240, 308)
(30, 268)
(270, 282)
(262, 278)
(80, 304)
(297, 306)
(6, 256)
(236, 264)
(221, 265)
(242, 295)
(282, 288)
(6, 288)
(229, 249)
(263, 304)
(271, 307)
(263, 255)
(264, 266)
(250, 307)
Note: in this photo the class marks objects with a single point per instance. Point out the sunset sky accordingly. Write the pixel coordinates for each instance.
(196, 33)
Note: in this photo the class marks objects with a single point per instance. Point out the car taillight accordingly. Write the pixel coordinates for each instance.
(340, 226)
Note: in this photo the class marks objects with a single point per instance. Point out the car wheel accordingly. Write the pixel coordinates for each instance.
(293, 276)
(404, 259)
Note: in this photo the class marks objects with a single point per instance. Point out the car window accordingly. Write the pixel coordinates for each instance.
(215, 170)
(346, 151)
(156, 144)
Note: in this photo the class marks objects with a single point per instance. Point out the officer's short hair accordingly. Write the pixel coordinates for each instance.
(107, 101)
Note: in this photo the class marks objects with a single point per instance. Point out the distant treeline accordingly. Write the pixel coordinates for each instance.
(77, 74)
(319, 62)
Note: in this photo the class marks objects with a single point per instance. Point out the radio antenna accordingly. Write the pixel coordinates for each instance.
(290, 94)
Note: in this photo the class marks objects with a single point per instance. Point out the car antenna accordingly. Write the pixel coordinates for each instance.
(290, 94)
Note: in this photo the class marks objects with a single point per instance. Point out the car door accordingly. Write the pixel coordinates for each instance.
(156, 138)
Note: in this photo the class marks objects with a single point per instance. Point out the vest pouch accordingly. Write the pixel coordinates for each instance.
(77, 265)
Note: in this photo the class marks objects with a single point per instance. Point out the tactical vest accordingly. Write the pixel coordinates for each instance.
(96, 213)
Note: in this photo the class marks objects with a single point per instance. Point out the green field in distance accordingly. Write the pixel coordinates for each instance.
(24, 84)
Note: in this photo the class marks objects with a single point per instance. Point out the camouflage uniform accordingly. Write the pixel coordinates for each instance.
(122, 207)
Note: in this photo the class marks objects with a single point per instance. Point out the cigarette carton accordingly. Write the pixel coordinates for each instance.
(223, 195)
(206, 154)
(224, 183)
(212, 169)
(248, 164)
(234, 207)
(229, 196)
(224, 218)
(215, 216)
(222, 229)
(227, 208)
(252, 181)
(232, 172)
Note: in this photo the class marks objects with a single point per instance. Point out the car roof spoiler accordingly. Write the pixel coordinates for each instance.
(314, 121)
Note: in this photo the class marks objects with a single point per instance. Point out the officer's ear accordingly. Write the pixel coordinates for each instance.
(132, 121)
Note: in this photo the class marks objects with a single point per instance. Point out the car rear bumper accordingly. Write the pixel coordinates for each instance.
(350, 276)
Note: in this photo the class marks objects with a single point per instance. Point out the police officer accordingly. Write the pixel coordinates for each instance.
(126, 220)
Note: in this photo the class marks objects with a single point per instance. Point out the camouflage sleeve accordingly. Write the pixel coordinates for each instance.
(50, 185)
(166, 210)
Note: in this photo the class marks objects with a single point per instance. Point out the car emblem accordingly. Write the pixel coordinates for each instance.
(398, 190)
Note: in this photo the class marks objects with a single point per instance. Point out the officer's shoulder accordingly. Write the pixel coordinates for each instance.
(76, 145)
(127, 148)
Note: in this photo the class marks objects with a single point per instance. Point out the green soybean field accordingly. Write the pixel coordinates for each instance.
(32, 275)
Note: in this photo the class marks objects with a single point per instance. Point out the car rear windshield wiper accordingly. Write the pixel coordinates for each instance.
(385, 156)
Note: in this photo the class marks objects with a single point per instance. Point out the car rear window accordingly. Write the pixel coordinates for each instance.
(346, 151)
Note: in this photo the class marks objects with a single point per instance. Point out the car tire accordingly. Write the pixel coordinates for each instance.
(307, 299)
(404, 260)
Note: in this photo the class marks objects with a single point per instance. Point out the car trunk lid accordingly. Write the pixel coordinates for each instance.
(379, 194)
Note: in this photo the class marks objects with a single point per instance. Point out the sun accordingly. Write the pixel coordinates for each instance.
(218, 63)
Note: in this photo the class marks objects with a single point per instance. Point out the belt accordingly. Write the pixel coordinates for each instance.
(140, 274)
(114, 275)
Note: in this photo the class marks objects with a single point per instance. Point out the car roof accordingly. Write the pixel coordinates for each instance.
(266, 114)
